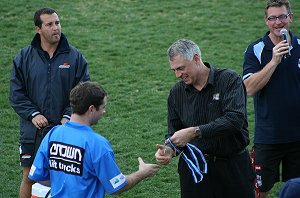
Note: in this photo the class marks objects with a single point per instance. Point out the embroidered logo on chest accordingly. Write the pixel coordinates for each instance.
(64, 66)
(216, 96)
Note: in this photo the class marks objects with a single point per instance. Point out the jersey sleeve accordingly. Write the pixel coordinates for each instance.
(109, 173)
(252, 59)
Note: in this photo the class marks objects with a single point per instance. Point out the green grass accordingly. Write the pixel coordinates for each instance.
(125, 43)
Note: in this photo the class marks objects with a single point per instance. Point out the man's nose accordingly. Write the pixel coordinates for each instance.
(178, 73)
(55, 26)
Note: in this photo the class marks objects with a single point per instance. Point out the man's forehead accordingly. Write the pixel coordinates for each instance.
(48, 18)
(176, 57)
(277, 9)
(177, 61)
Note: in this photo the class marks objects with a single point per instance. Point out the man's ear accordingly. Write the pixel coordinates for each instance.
(196, 58)
(91, 108)
(291, 17)
(266, 21)
(38, 29)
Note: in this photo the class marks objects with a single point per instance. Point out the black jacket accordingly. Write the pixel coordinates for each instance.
(40, 85)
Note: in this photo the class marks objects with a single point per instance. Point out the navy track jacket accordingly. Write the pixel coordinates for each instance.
(40, 85)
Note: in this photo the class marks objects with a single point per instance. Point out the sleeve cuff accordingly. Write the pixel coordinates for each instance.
(67, 116)
(34, 114)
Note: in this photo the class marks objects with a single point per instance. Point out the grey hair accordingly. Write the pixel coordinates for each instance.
(184, 47)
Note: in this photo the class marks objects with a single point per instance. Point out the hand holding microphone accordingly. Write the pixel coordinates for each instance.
(285, 36)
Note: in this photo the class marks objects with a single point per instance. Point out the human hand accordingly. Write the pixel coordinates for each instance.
(182, 137)
(39, 121)
(164, 154)
(148, 170)
(279, 50)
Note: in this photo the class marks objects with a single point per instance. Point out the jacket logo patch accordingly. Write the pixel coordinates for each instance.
(26, 156)
(65, 157)
(216, 96)
(64, 66)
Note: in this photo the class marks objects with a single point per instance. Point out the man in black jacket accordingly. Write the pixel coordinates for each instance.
(42, 77)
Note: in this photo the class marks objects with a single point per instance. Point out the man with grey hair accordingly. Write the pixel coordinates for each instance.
(207, 112)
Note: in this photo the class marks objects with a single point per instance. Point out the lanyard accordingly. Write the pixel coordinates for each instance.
(193, 163)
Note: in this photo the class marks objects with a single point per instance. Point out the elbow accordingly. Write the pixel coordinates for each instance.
(250, 91)
(116, 193)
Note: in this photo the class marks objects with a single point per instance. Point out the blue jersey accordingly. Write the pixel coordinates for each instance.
(277, 105)
(78, 162)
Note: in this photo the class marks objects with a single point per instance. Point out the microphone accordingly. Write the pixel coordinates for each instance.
(284, 33)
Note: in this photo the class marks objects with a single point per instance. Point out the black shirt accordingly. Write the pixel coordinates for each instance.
(219, 109)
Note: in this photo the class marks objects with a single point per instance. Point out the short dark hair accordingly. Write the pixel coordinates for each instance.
(84, 95)
(37, 15)
(277, 3)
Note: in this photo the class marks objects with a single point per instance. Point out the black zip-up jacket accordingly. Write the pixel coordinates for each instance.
(40, 85)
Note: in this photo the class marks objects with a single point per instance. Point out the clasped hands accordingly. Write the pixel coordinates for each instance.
(180, 138)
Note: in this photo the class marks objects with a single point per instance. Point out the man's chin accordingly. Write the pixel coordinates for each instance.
(186, 82)
(55, 41)
(56, 37)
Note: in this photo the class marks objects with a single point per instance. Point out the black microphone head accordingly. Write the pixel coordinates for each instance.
(284, 34)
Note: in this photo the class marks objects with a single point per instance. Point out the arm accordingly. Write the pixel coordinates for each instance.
(232, 116)
(45, 183)
(258, 80)
(18, 97)
(82, 75)
(145, 170)
(227, 114)
(174, 124)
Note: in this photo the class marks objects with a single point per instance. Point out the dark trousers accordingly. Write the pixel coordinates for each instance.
(226, 177)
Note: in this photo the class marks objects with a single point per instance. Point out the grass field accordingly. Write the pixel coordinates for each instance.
(125, 43)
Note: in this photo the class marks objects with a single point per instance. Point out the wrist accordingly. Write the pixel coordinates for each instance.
(169, 150)
(198, 133)
(34, 115)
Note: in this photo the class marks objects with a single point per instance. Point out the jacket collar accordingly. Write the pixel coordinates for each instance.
(62, 46)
